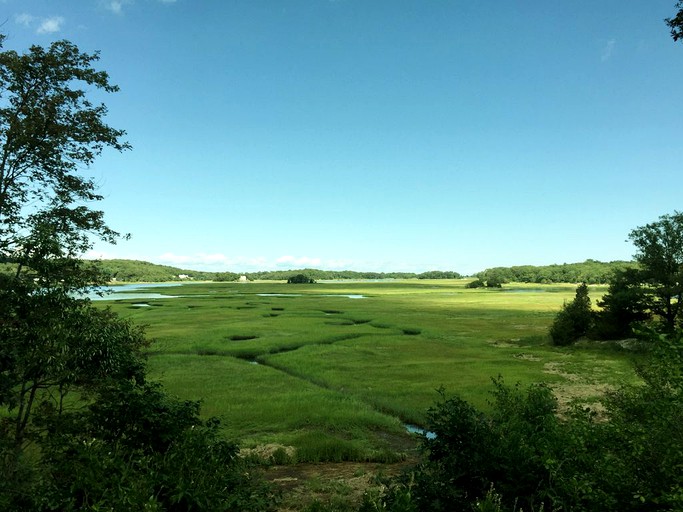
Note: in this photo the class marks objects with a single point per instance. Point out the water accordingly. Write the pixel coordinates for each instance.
(127, 291)
(413, 429)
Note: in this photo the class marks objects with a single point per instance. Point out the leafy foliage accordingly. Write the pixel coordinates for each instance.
(82, 430)
(675, 23)
(300, 279)
(48, 131)
(439, 274)
(574, 320)
(590, 272)
(52, 344)
(660, 255)
(625, 304)
(477, 283)
(536, 460)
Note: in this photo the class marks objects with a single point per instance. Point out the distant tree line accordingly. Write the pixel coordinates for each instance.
(316, 274)
(589, 272)
(144, 271)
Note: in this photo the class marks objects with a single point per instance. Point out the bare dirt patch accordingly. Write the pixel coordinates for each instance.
(576, 388)
(343, 482)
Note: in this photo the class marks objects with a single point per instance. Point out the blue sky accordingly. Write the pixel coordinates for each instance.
(382, 135)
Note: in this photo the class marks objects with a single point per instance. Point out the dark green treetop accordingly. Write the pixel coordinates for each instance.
(49, 131)
(660, 255)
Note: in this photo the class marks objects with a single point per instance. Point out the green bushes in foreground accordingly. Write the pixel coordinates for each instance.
(523, 456)
(133, 448)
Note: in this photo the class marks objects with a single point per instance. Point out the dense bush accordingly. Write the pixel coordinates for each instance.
(625, 304)
(477, 283)
(300, 279)
(133, 448)
(574, 320)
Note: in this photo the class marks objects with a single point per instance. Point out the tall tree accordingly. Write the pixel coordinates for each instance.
(49, 131)
(660, 254)
(625, 303)
(574, 320)
(51, 343)
(116, 443)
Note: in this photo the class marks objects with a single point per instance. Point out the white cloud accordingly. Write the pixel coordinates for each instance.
(24, 19)
(115, 6)
(50, 25)
(608, 50)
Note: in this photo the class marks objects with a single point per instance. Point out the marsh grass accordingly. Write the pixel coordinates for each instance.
(342, 374)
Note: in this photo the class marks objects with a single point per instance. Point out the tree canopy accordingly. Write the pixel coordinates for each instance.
(49, 131)
(659, 248)
(675, 23)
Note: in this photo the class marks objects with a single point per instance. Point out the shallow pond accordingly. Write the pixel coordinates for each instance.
(128, 291)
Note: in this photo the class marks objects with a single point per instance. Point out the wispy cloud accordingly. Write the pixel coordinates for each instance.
(24, 19)
(608, 50)
(44, 25)
(50, 25)
(115, 6)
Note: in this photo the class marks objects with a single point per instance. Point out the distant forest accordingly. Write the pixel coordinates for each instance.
(143, 271)
(135, 271)
(590, 272)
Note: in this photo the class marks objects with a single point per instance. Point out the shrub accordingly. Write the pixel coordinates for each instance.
(477, 283)
(523, 456)
(574, 320)
(300, 279)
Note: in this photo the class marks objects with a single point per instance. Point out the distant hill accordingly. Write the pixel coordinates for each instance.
(144, 271)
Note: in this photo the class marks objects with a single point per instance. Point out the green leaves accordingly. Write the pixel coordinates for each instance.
(49, 131)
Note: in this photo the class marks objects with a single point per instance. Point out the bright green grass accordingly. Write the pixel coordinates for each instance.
(258, 404)
(346, 372)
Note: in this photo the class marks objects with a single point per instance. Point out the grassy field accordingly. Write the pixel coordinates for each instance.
(336, 377)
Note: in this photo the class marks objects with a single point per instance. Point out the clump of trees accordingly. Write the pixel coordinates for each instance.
(650, 292)
(492, 282)
(439, 274)
(81, 426)
(300, 279)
